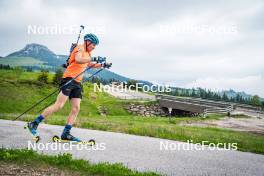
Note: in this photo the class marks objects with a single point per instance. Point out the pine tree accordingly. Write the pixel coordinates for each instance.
(193, 94)
(255, 101)
(225, 97)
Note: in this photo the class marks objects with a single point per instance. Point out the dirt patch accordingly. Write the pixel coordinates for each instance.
(25, 170)
(251, 124)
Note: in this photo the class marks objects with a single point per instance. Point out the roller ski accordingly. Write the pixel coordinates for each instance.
(32, 128)
(68, 138)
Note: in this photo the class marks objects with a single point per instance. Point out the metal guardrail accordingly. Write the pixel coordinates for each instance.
(193, 100)
(218, 110)
(211, 106)
(250, 107)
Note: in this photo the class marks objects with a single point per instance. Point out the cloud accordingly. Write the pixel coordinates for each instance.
(253, 84)
(197, 48)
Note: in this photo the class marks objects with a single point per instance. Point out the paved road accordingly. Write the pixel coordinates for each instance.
(141, 153)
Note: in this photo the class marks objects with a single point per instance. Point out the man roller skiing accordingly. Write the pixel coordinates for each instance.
(80, 59)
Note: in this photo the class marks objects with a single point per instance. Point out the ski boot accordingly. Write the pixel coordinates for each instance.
(32, 128)
(69, 137)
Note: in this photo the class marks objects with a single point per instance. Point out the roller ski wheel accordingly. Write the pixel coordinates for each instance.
(35, 137)
(58, 139)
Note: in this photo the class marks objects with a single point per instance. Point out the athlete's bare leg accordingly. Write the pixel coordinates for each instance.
(61, 100)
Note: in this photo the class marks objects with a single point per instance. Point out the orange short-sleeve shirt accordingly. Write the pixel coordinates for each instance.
(74, 68)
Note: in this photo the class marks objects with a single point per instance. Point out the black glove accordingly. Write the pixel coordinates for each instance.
(98, 59)
(107, 65)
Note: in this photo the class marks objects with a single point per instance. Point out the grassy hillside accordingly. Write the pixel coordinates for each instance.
(19, 90)
(20, 61)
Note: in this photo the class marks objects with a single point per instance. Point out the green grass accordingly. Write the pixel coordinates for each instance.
(240, 116)
(66, 163)
(17, 94)
(162, 128)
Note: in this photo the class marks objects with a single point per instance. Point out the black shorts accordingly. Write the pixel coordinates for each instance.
(72, 90)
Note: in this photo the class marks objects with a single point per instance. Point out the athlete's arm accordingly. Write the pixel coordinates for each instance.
(79, 59)
(95, 65)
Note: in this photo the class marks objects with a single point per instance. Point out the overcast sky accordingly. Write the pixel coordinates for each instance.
(209, 44)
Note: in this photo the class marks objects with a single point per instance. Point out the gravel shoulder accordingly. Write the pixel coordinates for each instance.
(7, 168)
(248, 124)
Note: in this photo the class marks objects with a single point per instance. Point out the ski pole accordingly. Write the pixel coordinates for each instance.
(81, 28)
(55, 100)
(33, 106)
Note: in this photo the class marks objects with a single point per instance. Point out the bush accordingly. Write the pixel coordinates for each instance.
(43, 77)
(18, 71)
(57, 77)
